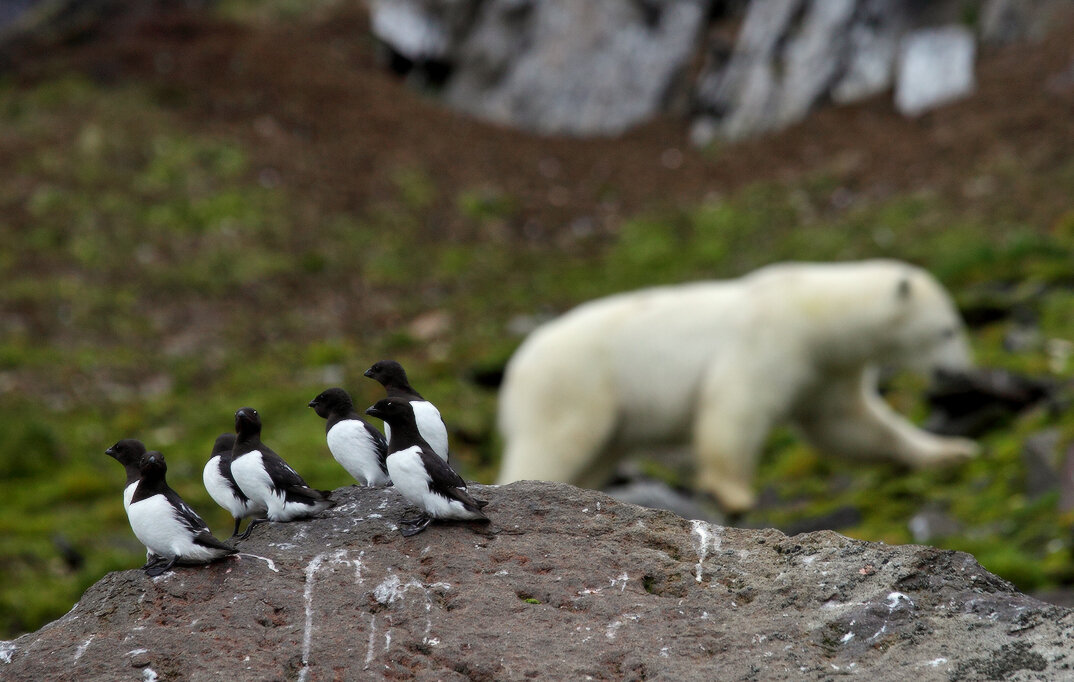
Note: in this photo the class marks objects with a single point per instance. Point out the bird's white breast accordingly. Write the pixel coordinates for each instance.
(431, 426)
(157, 526)
(254, 481)
(412, 481)
(128, 495)
(219, 488)
(356, 451)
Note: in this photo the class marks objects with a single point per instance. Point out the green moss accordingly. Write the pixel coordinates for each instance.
(159, 287)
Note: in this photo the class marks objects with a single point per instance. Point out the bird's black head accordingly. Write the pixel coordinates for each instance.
(224, 443)
(391, 410)
(389, 373)
(332, 401)
(247, 422)
(152, 466)
(127, 452)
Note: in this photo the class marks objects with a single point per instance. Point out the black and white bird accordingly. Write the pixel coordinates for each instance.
(421, 475)
(221, 485)
(167, 525)
(267, 479)
(128, 452)
(392, 377)
(353, 442)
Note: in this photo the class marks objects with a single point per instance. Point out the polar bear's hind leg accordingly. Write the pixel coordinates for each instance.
(561, 441)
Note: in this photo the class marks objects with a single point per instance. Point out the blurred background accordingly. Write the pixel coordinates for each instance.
(206, 205)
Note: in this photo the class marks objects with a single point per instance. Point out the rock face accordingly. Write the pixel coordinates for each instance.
(791, 53)
(935, 67)
(564, 584)
(598, 67)
(594, 67)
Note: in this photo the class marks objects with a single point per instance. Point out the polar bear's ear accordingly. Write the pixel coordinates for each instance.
(902, 291)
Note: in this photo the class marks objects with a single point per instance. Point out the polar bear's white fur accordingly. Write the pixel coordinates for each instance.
(718, 363)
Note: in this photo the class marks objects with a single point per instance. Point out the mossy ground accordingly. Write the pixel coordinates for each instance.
(157, 274)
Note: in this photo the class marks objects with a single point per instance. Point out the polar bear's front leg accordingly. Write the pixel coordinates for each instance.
(848, 417)
(735, 412)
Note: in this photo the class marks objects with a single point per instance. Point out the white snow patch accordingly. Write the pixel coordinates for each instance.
(847, 637)
(6, 650)
(149, 675)
(936, 662)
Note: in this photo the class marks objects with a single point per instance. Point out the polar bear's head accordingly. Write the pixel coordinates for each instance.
(928, 335)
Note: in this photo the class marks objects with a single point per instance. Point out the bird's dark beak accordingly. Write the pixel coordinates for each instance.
(313, 403)
(374, 412)
(368, 373)
(110, 452)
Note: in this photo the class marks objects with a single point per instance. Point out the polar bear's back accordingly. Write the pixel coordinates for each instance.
(640, 349)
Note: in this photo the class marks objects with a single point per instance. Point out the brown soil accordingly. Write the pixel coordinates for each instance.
(315, 105)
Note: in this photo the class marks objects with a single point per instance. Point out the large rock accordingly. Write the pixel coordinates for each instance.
(556, 66)
(564, 584)
(790, 53)
(601, 66)
(935, 68)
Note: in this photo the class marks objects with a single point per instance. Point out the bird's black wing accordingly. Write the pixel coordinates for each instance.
(379, 443)
(186, 515)
(447, 482)
(207, 539)
(224, 467)
(285, 478)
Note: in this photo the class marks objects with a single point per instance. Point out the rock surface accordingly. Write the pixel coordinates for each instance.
(599, 67)
(557, 66)
(935, 67)
(564, 584)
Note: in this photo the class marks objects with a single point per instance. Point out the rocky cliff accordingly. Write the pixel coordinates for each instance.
(564, 584)
(744, 68)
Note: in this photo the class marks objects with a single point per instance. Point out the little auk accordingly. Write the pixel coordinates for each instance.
(167, 525)
(128, 452)
(222, 487)
(267, 479)
(392, 377)
(353, 442)
(421, 475)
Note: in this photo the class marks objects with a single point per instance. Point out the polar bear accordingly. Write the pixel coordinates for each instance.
(718, 363)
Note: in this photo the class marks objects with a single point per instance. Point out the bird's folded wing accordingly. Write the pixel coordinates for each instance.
(187, 516)
(447, 482)
(207, 539)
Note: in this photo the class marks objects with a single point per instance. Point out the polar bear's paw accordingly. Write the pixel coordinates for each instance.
(732, 496)
(951, 451)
